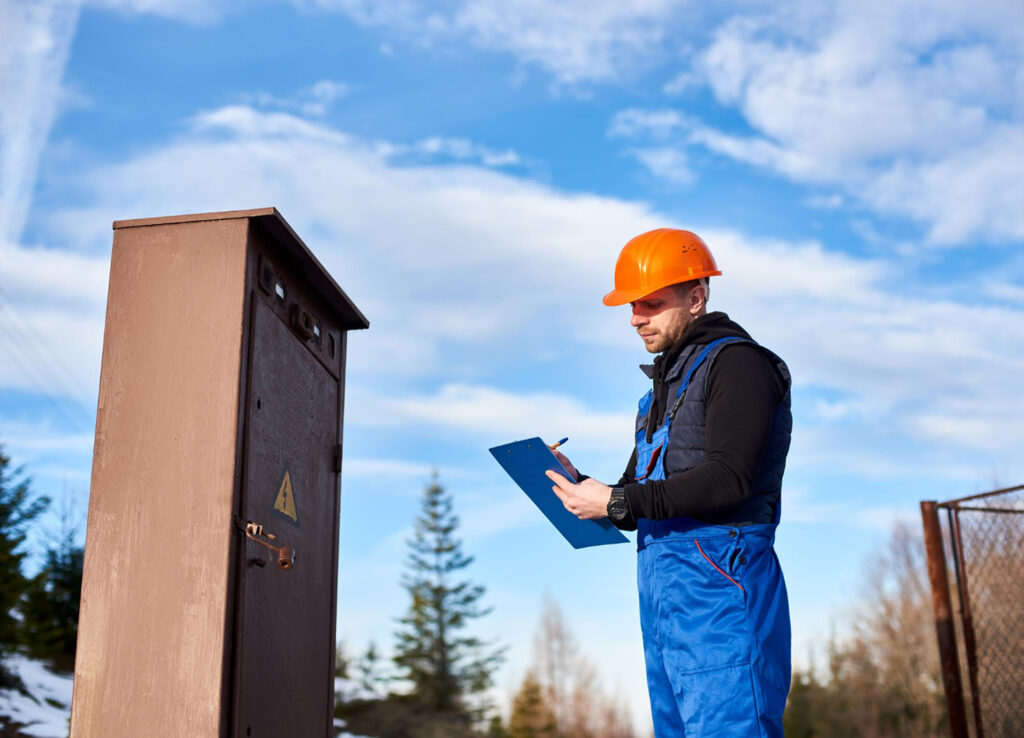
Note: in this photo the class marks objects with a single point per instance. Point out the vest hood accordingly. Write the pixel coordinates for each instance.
(705, 329)
(667, 366)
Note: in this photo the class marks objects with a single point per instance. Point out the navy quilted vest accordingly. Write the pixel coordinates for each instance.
(687, 443)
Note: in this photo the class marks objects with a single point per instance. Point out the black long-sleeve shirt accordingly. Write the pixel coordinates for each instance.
(744, 389)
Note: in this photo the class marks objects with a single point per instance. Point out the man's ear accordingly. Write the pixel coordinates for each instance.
(698, 299)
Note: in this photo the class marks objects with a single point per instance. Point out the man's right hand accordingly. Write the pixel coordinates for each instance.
(564, 461)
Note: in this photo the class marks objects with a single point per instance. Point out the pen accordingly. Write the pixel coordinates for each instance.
(554, 446)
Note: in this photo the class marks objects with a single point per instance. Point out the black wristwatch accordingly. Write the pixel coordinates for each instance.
(618, 508)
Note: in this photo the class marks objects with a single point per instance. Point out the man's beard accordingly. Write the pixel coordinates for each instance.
(660, 343)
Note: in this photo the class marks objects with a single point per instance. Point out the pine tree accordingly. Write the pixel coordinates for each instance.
(496, 728)
(18, 508)
(50, 607)
(444, 665)
(342, 661)
(531, 715)
(370, 671)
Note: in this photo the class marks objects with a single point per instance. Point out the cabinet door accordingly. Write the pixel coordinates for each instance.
(283, 681)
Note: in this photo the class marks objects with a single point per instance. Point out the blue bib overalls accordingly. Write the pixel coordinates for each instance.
(713, 612)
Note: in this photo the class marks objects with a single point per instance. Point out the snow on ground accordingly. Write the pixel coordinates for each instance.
(347, 690)
(45, 713)
(339, 725)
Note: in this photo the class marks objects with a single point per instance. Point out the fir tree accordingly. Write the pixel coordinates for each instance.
(531, 716)
(496, 728)
(18, 508)
(50, 607)
(342, 661)
(432, 651)
(370, 671)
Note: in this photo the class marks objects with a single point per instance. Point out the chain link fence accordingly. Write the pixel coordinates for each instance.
(983, 540)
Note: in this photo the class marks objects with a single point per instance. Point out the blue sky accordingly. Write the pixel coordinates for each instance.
(468, 171)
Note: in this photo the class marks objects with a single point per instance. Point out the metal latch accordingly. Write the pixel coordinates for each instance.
(285, 554)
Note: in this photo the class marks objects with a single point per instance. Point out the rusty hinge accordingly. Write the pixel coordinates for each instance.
(254, 532)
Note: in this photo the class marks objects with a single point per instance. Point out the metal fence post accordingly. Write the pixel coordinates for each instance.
(944, 619)
(966, 619)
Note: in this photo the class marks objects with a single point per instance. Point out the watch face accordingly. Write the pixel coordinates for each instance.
(617, 506)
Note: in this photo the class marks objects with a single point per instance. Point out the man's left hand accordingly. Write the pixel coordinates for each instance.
(587, 500)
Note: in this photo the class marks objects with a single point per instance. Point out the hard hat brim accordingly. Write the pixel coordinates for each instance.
(624, 297)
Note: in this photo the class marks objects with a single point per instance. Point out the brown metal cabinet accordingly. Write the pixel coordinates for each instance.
(208, 600)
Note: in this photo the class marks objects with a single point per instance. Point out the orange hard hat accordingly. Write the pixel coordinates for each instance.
(657, 259)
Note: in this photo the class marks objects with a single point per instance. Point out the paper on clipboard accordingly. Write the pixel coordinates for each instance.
(526, 461)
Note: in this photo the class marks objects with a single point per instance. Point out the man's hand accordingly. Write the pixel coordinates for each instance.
(587, 500)
(564, 461)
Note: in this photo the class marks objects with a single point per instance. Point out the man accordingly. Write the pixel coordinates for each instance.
(702, 489)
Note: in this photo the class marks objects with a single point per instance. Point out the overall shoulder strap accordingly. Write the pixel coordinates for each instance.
(696, 365)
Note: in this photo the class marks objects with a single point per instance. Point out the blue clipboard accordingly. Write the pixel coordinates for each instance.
(526, 461)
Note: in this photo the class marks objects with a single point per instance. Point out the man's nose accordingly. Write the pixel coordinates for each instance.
(637, 319)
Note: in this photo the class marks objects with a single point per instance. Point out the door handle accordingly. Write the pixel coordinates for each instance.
(285, 554)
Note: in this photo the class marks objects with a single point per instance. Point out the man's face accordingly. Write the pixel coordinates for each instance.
(661, 317)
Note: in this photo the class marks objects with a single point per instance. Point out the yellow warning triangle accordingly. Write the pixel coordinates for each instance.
(285, 502)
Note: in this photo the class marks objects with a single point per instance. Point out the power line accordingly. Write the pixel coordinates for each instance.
(42, 368)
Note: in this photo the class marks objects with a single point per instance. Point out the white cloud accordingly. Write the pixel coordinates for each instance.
(35, 38)
(846, 409)
(313, 101)
(506, 510)
(822, 509)
(681, 83)
(667, 163)
(885, 517)
(52, 307)
(392, 469)
(912, 367)
(472, 409)
(826, 202)
(465, 271)
(458, 149)
(53, 276)
(28, 440)
(578, 41)
(913, 108)
(635, 122)
(53, 352)
(968, 193)
(192, 11)
(35, 41)
(1004, 291)
(910, 108)
(386, 468)
(759, 152)
(246, 122)
(978, 422)
(444, 236)
(801, 507)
